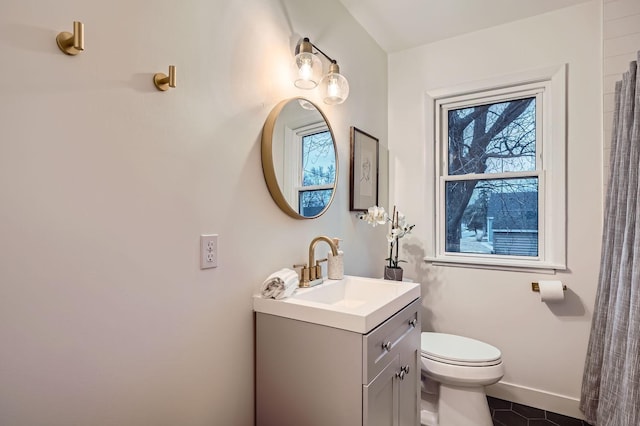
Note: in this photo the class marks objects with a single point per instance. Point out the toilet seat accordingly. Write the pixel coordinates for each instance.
(458, 350)
(461, 368)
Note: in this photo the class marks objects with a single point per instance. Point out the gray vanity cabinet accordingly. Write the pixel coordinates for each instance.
(310, 374)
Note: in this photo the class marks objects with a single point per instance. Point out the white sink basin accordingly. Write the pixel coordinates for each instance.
(352, 303)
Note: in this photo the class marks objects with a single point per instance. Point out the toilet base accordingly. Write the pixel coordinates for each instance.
(428, 418)
(429, 408)
(463, 406)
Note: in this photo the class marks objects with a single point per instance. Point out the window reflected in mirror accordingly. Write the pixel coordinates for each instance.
(299, 158)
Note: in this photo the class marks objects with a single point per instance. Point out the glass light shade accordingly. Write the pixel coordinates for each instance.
(306, 104)
(307, 70)
(335, 88)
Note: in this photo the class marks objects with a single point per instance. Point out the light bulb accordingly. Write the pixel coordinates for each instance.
(305, 71)
(334, 86)
(307, 68)
(333, 89)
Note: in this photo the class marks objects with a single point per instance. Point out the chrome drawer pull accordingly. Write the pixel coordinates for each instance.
(413, 322)
(386, 346)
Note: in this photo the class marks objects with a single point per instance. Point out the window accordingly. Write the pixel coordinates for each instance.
(499, 184)
(318, 173)
(310, 148)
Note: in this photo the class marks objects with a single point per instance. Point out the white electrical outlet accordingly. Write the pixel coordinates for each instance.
(208, 251)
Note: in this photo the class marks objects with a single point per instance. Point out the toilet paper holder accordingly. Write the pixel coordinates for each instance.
(536, 287)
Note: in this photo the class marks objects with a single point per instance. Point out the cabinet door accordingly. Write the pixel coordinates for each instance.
(409, 383)
(380, 397)
(409, 388)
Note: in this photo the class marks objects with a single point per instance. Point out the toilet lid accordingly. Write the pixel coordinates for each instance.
(458, 350)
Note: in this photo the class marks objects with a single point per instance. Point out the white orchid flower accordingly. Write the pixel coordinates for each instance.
(375, 216)
(392, 235)
(402, 220)
(399, 228)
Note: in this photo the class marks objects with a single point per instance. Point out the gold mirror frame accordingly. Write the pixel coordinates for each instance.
(268, 167)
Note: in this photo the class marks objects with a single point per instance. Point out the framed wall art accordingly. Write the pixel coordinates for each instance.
(363, 184)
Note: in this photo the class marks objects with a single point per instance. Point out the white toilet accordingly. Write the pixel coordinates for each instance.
(455, 370)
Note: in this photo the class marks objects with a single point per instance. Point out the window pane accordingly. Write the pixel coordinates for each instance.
(318, 159)
(498, 216)
(493, 138)
(313, 202)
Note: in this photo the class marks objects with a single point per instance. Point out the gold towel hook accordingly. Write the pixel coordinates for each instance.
(163, 82)
(72, 44)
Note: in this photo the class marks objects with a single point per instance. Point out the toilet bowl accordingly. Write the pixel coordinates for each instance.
(455, 370)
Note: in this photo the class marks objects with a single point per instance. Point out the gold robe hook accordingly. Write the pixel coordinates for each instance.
(163, 82)
(72, 44)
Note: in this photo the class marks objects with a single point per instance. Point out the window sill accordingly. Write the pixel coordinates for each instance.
(514, 266)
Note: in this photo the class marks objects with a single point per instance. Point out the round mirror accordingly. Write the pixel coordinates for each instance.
(299, 158)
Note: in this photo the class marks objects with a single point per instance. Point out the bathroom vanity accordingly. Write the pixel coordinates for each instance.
(335, 370)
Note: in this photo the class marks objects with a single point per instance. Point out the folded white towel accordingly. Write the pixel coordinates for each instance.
(280, 284)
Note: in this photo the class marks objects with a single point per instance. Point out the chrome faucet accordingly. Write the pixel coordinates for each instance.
(313, 272)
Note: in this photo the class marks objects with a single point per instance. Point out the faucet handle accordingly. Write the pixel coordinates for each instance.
(318, 268)
(304, 275)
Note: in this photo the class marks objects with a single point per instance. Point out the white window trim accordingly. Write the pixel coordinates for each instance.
(552, 202)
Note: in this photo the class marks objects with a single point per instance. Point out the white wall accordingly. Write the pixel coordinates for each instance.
(621, 37)
(106, 185)
(543, 346)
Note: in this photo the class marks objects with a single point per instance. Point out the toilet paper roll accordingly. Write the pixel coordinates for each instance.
(551, 291)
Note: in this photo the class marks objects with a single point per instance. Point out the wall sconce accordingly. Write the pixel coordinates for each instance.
(307, 69)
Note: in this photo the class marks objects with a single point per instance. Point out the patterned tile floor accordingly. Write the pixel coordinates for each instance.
(506, 413)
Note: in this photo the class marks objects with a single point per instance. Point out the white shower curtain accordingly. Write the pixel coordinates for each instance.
(611, 380)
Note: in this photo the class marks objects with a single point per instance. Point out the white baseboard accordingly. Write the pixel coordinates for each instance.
(556, 403)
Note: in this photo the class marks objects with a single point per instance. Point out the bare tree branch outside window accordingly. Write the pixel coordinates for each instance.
(489, 140)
